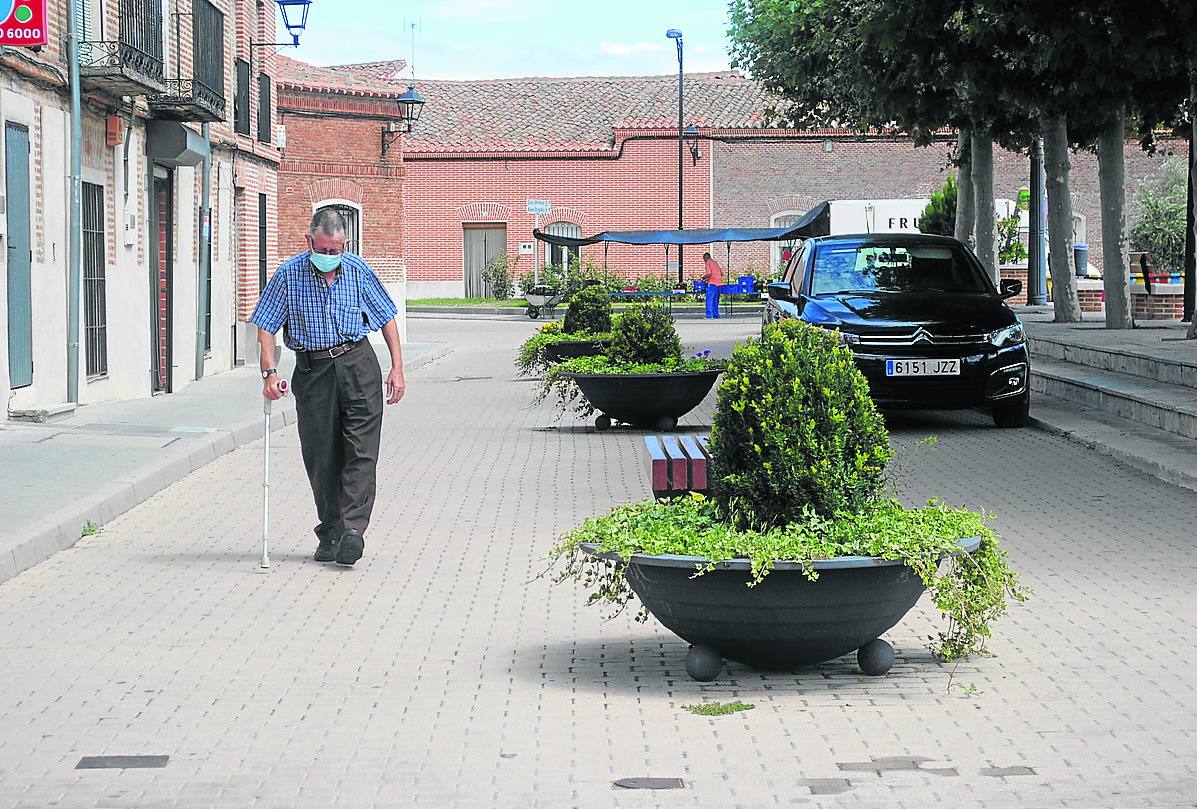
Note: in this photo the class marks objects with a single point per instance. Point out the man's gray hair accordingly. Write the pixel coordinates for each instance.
(329, 222)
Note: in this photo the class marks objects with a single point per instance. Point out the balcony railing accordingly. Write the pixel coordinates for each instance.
(188, 100)
(201, 96)
(131, 64)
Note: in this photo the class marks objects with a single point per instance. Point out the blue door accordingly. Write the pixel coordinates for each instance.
(20, 257)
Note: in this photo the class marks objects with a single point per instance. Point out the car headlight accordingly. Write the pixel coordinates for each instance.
(846, 338)
(1009, 336)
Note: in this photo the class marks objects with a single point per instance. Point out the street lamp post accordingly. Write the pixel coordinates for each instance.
(676, 36)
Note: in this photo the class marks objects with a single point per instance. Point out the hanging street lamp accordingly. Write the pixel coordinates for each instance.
(295, 16)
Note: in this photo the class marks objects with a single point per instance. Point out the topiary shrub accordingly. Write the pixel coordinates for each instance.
(589, 312)
(940, 214)
(795, 431)
(645, 334)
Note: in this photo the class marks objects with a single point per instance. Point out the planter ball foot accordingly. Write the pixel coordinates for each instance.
(876, 657)
(666, 423)
(602, 423)
(703, 663)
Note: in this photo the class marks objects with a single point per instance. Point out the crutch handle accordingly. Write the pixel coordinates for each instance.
(266, 403)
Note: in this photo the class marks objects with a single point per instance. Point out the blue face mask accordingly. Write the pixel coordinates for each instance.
(325, 263)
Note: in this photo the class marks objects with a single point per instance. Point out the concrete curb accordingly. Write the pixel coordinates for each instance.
(61, 530)
(1124, 448)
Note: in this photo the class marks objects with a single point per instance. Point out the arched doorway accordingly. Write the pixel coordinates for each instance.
(556, 254)
(782, 219)
(352, 216)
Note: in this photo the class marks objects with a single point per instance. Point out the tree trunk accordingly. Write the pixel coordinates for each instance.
(965, 209)
(1059, 220)
(982, 166)
(1190, 263)
(1111, 173)
(1191, 236)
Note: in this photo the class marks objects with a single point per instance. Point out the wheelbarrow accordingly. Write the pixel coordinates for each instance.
(542, 300)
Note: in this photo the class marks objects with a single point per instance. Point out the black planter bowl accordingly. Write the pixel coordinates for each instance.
(784, 622)
(647, 401)
(571, 349)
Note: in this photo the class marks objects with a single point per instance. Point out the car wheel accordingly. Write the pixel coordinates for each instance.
(1012, 414)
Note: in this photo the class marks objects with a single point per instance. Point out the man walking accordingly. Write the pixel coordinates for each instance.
(326, 301)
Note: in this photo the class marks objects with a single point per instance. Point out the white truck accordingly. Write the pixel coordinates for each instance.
(876, 215)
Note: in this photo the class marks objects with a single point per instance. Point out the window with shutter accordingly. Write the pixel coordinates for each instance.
(264, 123)
(241, 122)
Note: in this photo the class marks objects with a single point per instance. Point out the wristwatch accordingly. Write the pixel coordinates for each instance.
(269, 372)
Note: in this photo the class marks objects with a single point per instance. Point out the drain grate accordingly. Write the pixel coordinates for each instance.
(650, 783)
(121, 762)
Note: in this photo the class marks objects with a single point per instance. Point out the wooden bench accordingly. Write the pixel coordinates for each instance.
(677, 464)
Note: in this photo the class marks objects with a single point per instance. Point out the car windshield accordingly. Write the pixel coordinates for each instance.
(871, 267)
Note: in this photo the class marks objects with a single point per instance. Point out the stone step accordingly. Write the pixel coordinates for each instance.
(1172, 408)
(1175, 367)
(42, 415)
(1159, 453)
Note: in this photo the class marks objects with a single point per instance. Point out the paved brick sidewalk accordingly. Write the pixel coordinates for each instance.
(441, 673)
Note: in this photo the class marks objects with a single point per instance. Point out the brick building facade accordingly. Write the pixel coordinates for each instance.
(759, 178)
(334, 121)
(152, 75)
(450, 197)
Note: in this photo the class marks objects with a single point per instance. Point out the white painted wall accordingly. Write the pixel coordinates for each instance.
(49, 273)
(128, 305)
(130, 283)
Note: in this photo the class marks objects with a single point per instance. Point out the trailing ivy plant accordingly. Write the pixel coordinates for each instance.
(970, 590)
(533, 358)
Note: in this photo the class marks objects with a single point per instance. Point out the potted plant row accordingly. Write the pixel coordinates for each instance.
(586, 331)
(640, 379)
(800, 554)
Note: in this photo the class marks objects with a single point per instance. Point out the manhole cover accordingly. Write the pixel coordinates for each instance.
(121, 762)
(650, 783)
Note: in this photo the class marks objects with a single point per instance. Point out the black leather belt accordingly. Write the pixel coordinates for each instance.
(335, 351)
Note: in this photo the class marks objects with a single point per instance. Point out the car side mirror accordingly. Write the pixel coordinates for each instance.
(780, 291)
(1010, 287)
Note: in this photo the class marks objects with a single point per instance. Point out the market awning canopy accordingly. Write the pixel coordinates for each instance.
(816, 222)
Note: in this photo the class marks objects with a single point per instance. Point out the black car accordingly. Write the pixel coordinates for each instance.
(921, 315)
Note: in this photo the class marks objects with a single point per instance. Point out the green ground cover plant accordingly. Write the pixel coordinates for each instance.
(718, 708)
(798, 474)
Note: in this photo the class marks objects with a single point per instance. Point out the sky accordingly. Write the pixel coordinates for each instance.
(487, 39)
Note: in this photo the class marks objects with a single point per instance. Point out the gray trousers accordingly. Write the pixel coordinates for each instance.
(339, 407)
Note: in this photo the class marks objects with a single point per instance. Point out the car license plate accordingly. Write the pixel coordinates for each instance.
(922, 367)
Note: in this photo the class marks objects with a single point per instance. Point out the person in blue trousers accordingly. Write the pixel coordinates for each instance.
(714, 280)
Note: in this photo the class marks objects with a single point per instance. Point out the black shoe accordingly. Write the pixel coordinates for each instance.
(350, 548)
(326, 551)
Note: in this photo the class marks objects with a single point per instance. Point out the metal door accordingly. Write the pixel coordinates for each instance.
(20, 257)
(163, 282)
(482, 245)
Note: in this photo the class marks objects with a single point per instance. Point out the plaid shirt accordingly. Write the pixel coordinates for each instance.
(315, 315)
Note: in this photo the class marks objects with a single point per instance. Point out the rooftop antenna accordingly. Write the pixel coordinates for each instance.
(413, 26)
